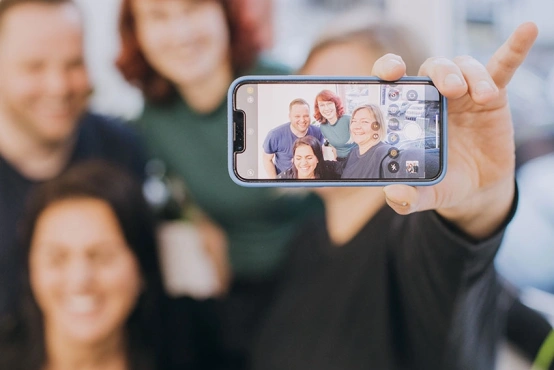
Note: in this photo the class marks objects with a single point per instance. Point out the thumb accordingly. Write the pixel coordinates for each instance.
(404, 199)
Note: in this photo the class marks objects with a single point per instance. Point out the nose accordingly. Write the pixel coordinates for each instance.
(181, 27)
(80, 275)
(57, 83)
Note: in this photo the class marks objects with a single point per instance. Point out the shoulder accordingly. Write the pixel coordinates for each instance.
(345, 118)
(111, 139)
(279, 130)
(314, 129)
(93, 124)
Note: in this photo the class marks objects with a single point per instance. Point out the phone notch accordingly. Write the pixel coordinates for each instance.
(238, 131)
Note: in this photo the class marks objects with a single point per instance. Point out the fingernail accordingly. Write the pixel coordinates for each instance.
(392, 64)
(483, 87)
(453, 80)
(395, 196)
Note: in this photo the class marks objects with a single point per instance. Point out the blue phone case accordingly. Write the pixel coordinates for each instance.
(231, 100)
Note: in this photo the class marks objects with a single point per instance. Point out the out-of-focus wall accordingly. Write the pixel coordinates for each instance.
(112, 94)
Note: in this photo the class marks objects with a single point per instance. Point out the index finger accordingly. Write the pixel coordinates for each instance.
(506, 60)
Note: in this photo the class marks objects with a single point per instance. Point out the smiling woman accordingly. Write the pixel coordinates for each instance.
(92, 292)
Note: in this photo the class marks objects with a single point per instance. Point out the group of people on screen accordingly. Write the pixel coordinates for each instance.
(338, 146)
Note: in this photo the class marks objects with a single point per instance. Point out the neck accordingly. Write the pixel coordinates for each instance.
(347, 210)
(365, 146)
(206, 95)
(63, 354)
(29, 155)
(296, 132)
(333, 120)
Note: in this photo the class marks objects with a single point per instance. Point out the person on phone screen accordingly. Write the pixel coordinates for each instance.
(367, 132)
(45, 122)
(92, 296)
(308, 162)
(279, 141)
(402, 277)
(372, 157)
(334, 123)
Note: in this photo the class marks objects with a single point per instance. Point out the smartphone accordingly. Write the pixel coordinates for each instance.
(288, 131)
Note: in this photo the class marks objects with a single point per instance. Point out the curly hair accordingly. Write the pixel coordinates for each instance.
(327, 95)
(244, 47)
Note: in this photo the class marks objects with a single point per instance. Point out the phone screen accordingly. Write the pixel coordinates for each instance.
(368, 131)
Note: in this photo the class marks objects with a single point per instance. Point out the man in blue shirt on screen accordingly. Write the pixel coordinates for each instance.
(279, 141)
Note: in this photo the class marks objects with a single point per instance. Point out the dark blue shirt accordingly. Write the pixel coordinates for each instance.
(280, 141)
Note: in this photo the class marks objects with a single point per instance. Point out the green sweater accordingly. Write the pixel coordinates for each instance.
(259, 222)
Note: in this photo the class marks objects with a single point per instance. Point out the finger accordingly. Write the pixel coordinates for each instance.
(512, 53)
(389, 67)
(482, 88)
(446, 76)
(406, 199)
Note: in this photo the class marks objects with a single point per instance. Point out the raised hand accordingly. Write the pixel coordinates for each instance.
(478, 189)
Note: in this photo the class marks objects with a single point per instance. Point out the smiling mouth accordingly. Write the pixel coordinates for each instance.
(82, 305)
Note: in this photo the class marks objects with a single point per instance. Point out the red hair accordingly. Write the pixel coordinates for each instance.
(244, 48)
(327, 95)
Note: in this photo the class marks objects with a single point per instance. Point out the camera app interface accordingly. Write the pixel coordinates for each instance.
(329, 132)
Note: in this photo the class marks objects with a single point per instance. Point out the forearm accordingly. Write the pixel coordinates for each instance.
(270, 168)
(483, 213)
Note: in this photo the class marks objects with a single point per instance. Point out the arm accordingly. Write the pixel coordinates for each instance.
(478, 190)
(269, 166)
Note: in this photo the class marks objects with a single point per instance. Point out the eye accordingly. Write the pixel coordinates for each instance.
(56, 259)
(33, 67)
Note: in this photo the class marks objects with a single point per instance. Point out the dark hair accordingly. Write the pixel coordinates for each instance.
(244, 49)
(327, 95)
(5, 5)
(22, 343)
(313, 143)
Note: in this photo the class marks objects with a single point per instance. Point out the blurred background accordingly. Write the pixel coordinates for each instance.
(449, 28)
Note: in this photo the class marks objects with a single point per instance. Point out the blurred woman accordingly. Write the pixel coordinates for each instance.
(308, 162)
(93, 295)
(398, 286)
(334, 124)
(183, 55)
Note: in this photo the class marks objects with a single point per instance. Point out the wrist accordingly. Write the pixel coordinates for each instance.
(483, 213)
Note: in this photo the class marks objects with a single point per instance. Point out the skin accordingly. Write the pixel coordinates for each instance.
(305, 162)
(44, 87)
(328, 110)
(299, 116)
(362, 133)
(187, 42)
(478, 190)
(86, 281)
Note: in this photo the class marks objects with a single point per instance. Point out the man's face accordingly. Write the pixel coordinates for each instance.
(44, 86)
(299, 116)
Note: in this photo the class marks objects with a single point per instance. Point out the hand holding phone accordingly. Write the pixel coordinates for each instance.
(318, 131)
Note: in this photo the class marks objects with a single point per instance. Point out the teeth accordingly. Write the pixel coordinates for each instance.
(82, 304)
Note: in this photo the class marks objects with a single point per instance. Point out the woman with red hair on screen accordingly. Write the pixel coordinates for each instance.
(183, 55)
(334, 124)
